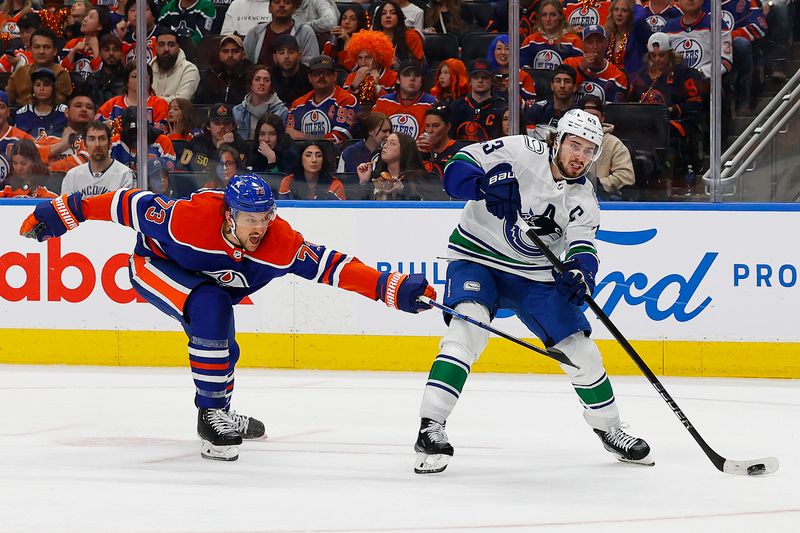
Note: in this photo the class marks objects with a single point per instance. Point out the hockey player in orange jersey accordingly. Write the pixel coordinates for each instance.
(198, 276)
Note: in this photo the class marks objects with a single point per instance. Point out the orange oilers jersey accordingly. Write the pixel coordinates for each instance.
(11, 137)
(84, 62)
(407, 116)
(582, 13)
(188, 232)
(129, 50)
(75, 154)
(610, 84)
(22, 56)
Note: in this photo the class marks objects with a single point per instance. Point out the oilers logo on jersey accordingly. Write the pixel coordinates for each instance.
(586, 16)
(727, 18)
(691, 50)
(404, 123)
(548, 59)
(5, 168)
(315, 123)
(228, 278)
(594, 89)
(656, 23)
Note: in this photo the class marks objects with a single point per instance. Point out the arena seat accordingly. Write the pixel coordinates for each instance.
(644, 128)
(438, 47)
(477, 13)
(475, 45)
(541, 78)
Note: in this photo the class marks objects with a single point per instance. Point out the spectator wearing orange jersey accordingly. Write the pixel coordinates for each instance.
(372, 77)
(68, 151)
(82, 55)
(312, 178)
(157, 107)
(389, 19)
(28, 175)
(406, 107)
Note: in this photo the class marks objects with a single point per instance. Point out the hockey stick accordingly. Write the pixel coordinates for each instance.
(552, 353)
(766, 465)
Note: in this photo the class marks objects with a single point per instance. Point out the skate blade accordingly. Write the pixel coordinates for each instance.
(430, 464)
(218, 453)
(646, 461)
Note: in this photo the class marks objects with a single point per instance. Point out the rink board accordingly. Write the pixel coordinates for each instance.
(701, 290)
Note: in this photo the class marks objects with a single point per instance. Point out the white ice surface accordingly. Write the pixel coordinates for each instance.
(86, 449)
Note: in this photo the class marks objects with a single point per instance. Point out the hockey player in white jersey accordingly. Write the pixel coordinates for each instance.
(493, 265)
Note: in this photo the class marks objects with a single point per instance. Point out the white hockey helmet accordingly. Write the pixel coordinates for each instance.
(579, 122)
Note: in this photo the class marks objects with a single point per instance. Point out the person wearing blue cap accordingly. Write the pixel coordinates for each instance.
(596, 75)
(8, 133)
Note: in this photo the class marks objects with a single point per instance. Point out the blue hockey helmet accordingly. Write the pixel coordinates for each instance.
(249, 193)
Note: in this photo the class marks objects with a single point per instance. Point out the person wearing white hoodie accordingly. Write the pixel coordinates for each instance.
(244, 15)
(258, 102)
(174, 76)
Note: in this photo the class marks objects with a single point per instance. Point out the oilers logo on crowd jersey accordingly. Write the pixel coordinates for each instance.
(5, 168)
(315, 123)
(656, 23)
(566, 213)
(591, 88)
(548, 59)
(691, 50)
(586, 16)
(404, 123)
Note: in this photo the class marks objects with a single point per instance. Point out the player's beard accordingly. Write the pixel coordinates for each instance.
(567, 172)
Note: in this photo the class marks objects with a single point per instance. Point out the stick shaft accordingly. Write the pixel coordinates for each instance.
(715, 458)
(557, 356)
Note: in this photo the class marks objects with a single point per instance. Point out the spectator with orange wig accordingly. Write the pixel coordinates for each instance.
(373, 53)
(451, 81)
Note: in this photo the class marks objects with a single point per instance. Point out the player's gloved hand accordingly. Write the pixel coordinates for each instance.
(575, 283)
(401, 291)
(53, 218)
(501, 191)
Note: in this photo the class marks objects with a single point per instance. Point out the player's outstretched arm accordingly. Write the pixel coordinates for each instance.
(54, 218)
(330, 267)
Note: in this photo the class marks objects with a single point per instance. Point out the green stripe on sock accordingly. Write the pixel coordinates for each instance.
(598, 394)
(453, 375)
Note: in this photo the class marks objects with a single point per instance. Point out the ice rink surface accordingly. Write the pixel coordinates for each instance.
(86, 449)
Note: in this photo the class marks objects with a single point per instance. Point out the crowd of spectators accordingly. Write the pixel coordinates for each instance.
(357, 100)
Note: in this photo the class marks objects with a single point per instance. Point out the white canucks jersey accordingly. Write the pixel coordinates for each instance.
(81, 179)
(566, 213)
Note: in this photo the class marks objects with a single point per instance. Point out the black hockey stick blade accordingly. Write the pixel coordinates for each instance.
(755, 467)
(552, 353)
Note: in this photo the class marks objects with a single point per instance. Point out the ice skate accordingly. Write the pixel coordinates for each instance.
(626, 448)
(433, 450)
(247, 426)
(218, 434)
